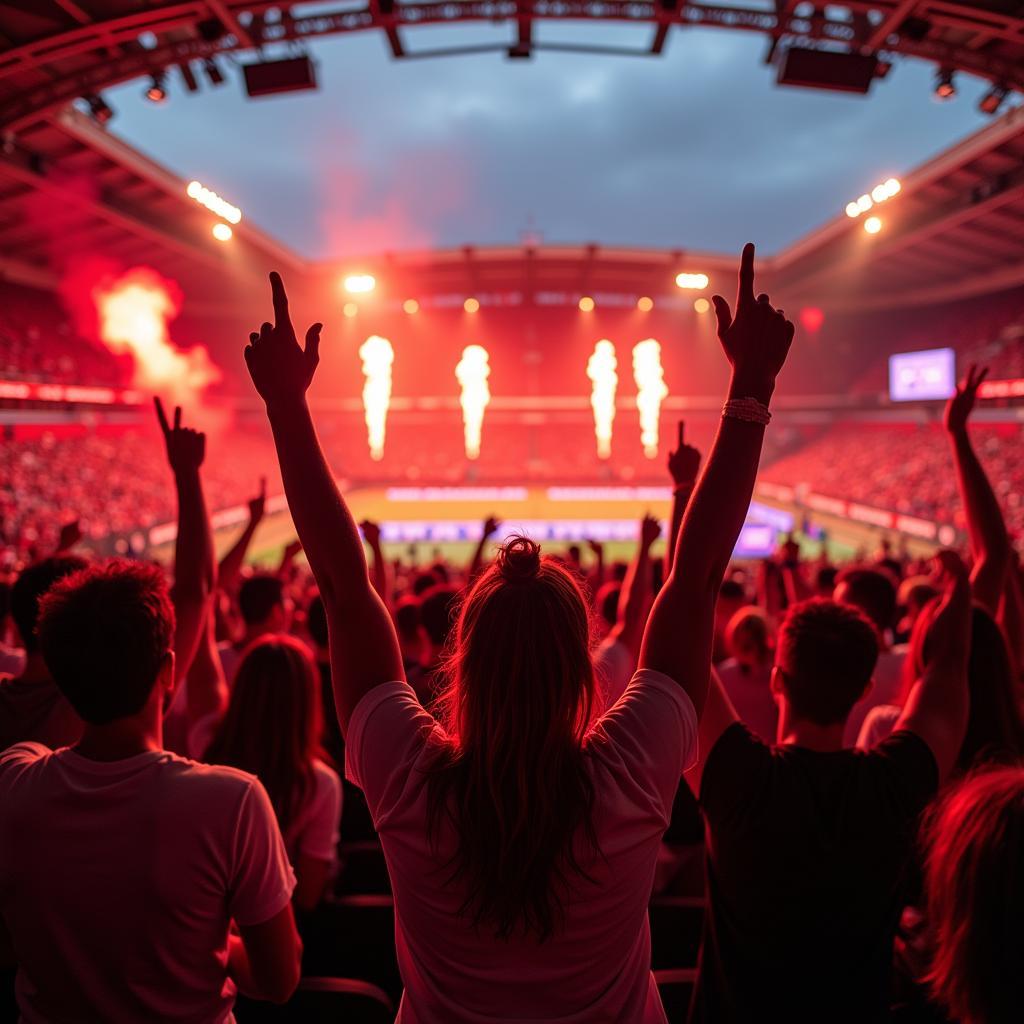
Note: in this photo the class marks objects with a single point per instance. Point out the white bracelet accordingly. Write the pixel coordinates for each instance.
(748, 409)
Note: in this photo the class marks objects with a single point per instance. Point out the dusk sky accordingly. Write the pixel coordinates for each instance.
(695, 149)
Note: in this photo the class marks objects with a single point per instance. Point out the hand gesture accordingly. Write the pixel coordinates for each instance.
(650, 530)
(291, 552)
(961, 402)
(371, 532)
(258, 505)
(491, 527)
(70, 535)
(684, 462)
(596, 548)
(186, 448)
(756, 341)
(279, 368)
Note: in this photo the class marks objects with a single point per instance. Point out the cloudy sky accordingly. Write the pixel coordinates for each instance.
(695, 149)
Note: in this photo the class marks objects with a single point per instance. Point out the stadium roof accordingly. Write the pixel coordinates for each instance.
(52, 51)
(69, 188)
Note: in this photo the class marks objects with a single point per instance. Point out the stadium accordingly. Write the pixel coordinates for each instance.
(542, 383)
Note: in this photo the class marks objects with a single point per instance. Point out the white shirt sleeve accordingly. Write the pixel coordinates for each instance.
(649, 737)
(322, 822)
(261, 879)
(387, 733)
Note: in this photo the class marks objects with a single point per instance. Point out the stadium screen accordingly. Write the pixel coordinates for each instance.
(918, 376)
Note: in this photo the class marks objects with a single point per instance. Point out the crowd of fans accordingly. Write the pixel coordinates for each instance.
(904, 468)
(481, 789)
(39, 343)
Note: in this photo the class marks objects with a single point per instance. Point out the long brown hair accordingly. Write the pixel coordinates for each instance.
(272, 724)
(995, 726)
(512, 779)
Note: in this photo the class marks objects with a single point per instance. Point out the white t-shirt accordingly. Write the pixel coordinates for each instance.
(878, 725)
(614, 666)
(118, 881)
(315, 827)
(887, 686)
(597, 968)
(750, 691)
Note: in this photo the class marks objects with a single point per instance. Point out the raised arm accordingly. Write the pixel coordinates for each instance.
(378, 567)
(364, 646)
(231, 564)
(990, 545)
(490, 528)
(194, 565)
(937, 707)
(683, 467)
(636, 590)
(678, 639)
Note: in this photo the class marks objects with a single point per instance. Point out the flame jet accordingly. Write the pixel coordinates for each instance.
(378, 356)
(472, 373)
(601, 370)
(650, 392)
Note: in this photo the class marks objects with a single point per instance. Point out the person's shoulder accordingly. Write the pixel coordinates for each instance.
(213, 779)
(904, 761)
(326, 777)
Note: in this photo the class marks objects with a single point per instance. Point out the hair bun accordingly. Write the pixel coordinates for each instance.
(519, 559)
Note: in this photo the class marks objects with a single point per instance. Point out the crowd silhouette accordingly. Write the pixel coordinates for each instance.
(538, 787)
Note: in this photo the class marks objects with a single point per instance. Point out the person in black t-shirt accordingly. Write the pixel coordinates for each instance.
(806, 841)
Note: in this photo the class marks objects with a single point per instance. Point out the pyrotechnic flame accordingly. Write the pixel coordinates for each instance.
(601, 370)
(377, 356)
(472, 373)
(651, 389)
(133, 313)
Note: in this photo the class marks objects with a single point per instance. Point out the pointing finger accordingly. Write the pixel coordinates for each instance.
(280, 298)
(745, 293)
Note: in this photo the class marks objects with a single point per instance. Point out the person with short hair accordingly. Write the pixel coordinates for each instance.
(123, 865)
(873, 591)
(264, 609)
(32, 708)
(975, 848)
(807, 841)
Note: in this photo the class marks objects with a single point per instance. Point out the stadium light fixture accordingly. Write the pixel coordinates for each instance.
(701, 305)
(586, 304)
(993, 99)
(873, 225)
(645, 304)
(945, 84)
(222, 232)
(411, 306)
(360, 284)
(188, 76)
(213, 202)
(471, 305)
(101, 111)
(213, 73)
(156, 93)
(692, 282)
(881, 193)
